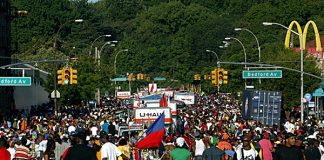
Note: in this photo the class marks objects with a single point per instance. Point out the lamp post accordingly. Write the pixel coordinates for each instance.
(229, 38)
(259, 49)
(301, 65)
(97, 59)
(123, 50)
(54, 56)
(256, 39)
(105, 35)
(210, 51)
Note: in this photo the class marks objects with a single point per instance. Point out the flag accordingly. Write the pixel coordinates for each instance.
(152, 87)
(153, 135)
(163, 101)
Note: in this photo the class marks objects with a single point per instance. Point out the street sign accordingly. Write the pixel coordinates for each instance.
(308, 96)
(58, 94)
(159, 79)
(262, 74)
(119, 79)
(15, 81)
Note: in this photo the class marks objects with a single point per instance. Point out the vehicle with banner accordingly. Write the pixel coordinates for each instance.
(149, 115)
(187, 97)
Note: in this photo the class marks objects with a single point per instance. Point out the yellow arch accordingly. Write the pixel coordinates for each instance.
(317, 37)
(287, 40)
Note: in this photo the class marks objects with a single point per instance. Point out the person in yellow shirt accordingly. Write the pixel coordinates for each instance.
(124, 148)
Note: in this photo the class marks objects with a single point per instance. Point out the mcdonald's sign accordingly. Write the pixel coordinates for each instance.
(304, 34)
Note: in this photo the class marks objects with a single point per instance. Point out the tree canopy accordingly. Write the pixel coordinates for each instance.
(164, 38)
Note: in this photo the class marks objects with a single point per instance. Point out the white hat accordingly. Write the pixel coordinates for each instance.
(180, 141)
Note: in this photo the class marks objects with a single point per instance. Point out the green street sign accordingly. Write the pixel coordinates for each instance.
(119, 79)
(15, 81)
(262, 74)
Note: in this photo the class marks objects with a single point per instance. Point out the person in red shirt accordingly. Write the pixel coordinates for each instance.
(5, 155)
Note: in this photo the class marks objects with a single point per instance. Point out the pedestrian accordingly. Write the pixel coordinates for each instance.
(199, 146)
(49, 153)
(246, 152)
(109, 151)
(213, 153)
(312, 152)
(266, 146)
(180, 152)
(80, 150)
(4, 153)
(288, 151)
(22, 151)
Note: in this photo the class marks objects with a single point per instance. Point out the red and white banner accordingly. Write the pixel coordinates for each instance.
(123, 95)
(152, 87)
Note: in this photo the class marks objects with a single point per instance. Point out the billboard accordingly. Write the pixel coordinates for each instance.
(262, 106)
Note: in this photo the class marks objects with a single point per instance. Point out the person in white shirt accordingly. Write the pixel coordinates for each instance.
(12, 150)
(109, 151)
(94, 130)
(246, 152)
(71, 128)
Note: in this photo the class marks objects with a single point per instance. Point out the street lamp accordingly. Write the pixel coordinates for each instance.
(230, 38)
(123, 50)
(259, 49)
(105, 35)
(301, 64)
(54, 64)
(210, 51)
(225, 46)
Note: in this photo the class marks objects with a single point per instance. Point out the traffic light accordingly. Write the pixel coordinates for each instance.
(73, 76)
(67, 75)
(214, 77)
(222, 76)
(197, 77)
(131, 77)
(22, 12)
(140, 76)
(60, 77)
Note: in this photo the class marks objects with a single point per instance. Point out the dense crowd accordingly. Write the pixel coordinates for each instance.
(211, 129)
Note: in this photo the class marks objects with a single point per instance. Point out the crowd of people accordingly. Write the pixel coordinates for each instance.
(212, 129)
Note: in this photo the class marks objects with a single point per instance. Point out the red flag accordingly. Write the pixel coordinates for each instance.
(152, 87)
(163, 101)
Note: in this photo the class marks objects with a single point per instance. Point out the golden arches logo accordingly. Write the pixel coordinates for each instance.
(304, 33)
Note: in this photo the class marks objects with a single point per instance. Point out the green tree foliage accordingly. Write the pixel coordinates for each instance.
(164, 38)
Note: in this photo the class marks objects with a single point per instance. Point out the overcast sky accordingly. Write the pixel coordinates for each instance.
(92, 0)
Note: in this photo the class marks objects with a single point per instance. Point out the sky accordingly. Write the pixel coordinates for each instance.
(92, 0)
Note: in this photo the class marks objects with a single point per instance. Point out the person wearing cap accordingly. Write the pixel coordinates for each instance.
(266, 146)
(213, 152)
(109, 151)
(80, 150)
(288, 151)
(180, 152)
(168, 146)
(312, 152)
(224, 144)
(246, 152)
(199, 146)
